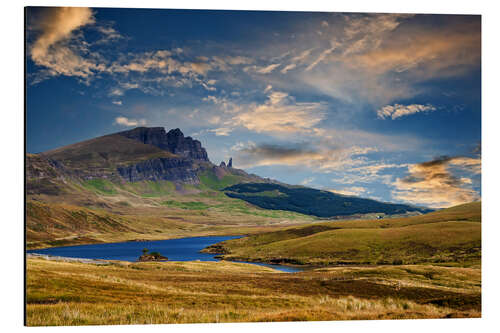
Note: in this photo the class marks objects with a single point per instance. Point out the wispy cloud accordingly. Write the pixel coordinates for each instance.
(307, 181)
(398, 110)
(268, 69)
(109, 34)
(351, 191)
(369, 173)
(221, 131)
(287, 68)
(321, 57)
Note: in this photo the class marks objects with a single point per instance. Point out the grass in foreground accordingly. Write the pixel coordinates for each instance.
(63, 293)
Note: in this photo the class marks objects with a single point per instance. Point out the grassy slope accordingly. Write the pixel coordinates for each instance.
(312, 201)
(50, 224)
(61, 293)
(448, 236)
(105, 152)
(102, 211)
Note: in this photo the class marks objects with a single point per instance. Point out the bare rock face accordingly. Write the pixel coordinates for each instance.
(174, 141)
(172, 169)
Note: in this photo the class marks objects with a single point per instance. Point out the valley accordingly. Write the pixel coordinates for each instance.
(363, 259)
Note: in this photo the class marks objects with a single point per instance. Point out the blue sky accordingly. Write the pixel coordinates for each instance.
(386, 106)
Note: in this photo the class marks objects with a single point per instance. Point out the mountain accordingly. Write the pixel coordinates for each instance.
(147, 183)
(130, 156)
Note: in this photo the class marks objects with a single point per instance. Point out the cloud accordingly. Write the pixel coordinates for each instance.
(369, 173)
(382, 58)
(302, 57)
(200, 67)
(109, 34)
(373, 26)
(124, 121)
(280, 114)
(154, 71)
(314, 156)
(238, 60)
(268, 69)
(398, 110)
(321, 57)
(287, 68)
(116, 92)
(307, 181)
(224, 104)
(117, 102)
(389, 46)
(160, 62)
(221, 131)
(436, 184)
(58, 48)
(351, 191)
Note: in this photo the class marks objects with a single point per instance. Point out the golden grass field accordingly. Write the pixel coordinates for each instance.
(64, 293)
(356, 277)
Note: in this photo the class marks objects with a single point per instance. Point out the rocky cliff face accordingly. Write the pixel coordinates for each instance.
(172, 169)
(174, 141)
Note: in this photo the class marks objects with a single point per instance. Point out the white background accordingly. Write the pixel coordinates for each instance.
(12, 154)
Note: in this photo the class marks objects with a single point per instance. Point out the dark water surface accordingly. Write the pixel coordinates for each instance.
(182, 249)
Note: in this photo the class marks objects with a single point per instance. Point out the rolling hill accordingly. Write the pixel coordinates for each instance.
(450, 236)
(312, 201)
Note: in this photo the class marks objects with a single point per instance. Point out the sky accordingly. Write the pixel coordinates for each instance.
(382, 106)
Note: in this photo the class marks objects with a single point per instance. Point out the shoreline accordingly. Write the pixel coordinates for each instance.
(68, 259)
(129, 241)
(108, 262)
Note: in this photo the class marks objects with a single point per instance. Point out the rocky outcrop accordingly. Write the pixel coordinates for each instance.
(38, 166)
(172, 169)
(152, 257)
(174, 141)
(44, 176)
(228, 165)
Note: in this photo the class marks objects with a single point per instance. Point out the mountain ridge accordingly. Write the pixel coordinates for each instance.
(113, 163)
(174, 141)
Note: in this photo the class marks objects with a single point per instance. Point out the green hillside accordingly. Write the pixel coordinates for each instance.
(311, 201)
(447, 236)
